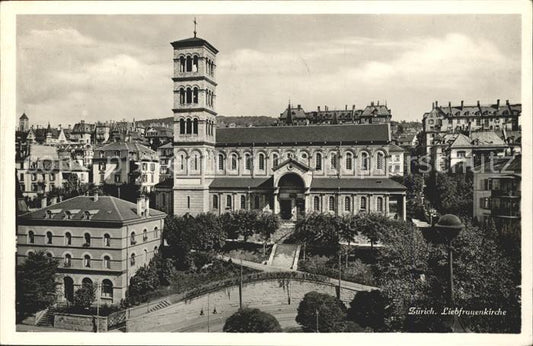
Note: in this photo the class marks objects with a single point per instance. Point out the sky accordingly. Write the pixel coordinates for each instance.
(97, 68)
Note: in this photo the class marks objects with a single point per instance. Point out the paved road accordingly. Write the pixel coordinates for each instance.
(285, 314)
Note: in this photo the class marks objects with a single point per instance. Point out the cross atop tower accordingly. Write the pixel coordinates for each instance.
(195, 23)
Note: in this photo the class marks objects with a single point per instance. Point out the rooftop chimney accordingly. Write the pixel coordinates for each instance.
(432, 105)
(498, 104)
(436, 104)
(353, 107)
(449, 104)
(478, 104)
(345, 107)
(462, 104)
(147, 206)
(140, 206)
(507, 102)
(299, 107)
(372, 103)
(318, 108)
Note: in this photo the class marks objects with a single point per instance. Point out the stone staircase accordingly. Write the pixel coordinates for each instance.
(285, 229)
(285, 256)
(160, 305)
(47, 319)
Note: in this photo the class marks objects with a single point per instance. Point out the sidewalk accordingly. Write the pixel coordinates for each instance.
(266, 268)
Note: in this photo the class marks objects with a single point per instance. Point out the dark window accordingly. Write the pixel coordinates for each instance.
(243, 202)
(347, 204)
(318, 161)
(332, 203)
(68, 238)
(215, 202)
(31, 237)
(316, 203)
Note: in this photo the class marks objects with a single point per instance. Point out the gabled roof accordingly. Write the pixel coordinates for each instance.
(461, 141)
(487, 137)
(126, 147)
(295, 162)
(168, 145)
(23, 117)
(393, 148)
(106, 209)
(376, 110)
(83, 128)
(371, 133)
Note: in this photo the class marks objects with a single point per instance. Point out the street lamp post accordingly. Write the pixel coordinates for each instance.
(444, 232)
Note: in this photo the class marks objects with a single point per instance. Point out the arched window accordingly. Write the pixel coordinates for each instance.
(182, 64)
(195, 162)
(87, 261)
(379, 204)
(188, 202)
(331, 203)
(107, 240)
(347, 204)
(145, 235)
(107, 262)
(233, 162)
(381, 161)
(68, 238)
(195, 126)
(132, 239)
(349, 161)
(107, 288)
(195, 64)
(215, 202)
(67, 261)
(248, 162)
(182, 96)
(189, 64)
(363, 203)
(189, 96)
(275, 160)
(156, 232)
(31, 237)
(189, 126)
(220, 162)
(155, 249)
(333, 161)
(316, 203)
(182, 126)
(318, 161)
(145, 256)
(243, 202)
(365, 164)
(49, 237)
(86, 282)
(68, 288)
(256, 202)
(182, 162)
(87, 238)
(228, 202)
(262, 162)
(132, 259)
(195, 95)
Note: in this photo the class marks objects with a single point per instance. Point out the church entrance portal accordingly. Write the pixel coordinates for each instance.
(291, 196)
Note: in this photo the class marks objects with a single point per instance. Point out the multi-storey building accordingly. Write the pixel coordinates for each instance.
(497, 192)
(120, 163)
(83, 132)
(156, 136)
(166, 158)
(372, 114)
(467, 119)
(288, 170)
(100, 241)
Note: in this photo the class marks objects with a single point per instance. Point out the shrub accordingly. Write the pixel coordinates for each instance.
(251, 321)
(367, 309)
(84, 297)
(331, 313)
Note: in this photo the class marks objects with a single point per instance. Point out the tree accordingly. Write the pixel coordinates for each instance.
(206, 233)
(145, 280)
(319, 229)
(367, 309)
(35, 284)
(84, 297)
(249, 320)
(267, 224)
(322, 311)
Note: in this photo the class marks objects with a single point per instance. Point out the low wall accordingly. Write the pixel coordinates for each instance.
(86, 323)
(255, 294)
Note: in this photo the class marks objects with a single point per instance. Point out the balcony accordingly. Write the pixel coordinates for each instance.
(505, 212)
(506, 193)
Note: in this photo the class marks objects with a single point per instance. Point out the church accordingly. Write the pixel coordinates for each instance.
(287, 170)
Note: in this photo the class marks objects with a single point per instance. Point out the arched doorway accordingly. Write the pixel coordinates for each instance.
(68, 287)
(291, 196)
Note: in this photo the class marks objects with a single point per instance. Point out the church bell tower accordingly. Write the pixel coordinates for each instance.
(194, 123)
